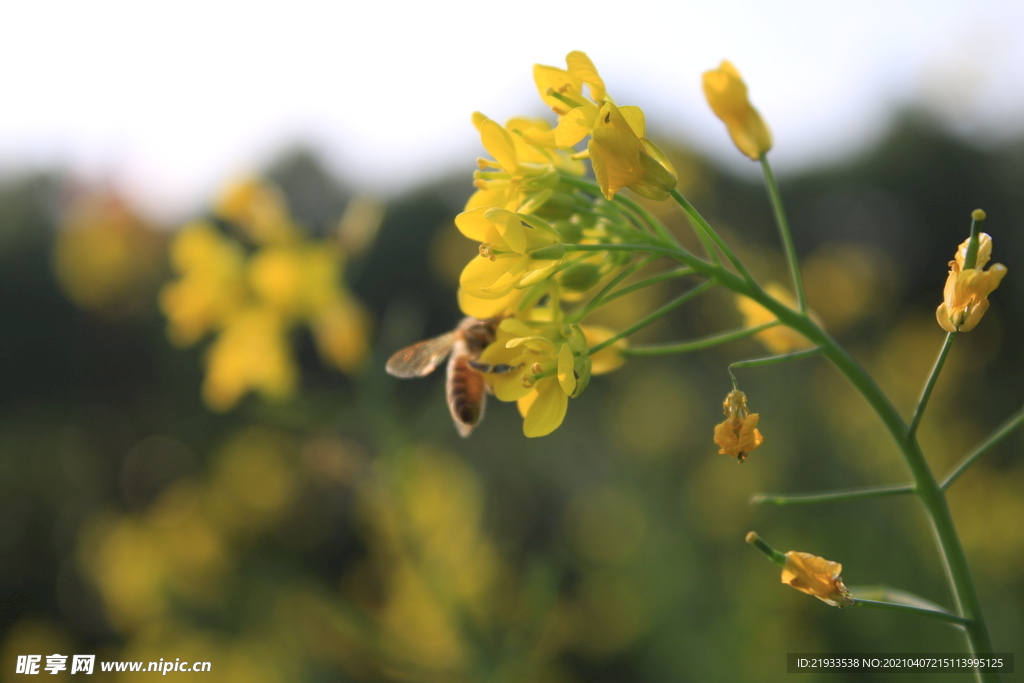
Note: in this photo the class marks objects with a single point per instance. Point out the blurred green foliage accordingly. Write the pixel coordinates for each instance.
(351, 535)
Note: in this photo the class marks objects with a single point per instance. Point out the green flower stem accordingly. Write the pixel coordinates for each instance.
(657, 315)
(909, 609)
(830, 496)
(1004, 430)
(771, 360)
(696, 344)
(762, 545)
(599, 297)
(784, 233)
(705, 228)
(915, 421)
(653, 280)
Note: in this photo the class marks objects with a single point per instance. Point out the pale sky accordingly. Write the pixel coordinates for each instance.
(168, 100)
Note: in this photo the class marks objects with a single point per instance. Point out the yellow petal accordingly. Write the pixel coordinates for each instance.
(582, 68)
(509, 227)
(481, 275)
(475, 225)
(498, 143)
(546, 409)
(559, 80)
(478, 307)
(615, 156)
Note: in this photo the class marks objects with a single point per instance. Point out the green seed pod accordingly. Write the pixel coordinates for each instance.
(620, 258)
(570, 231)
(580, 277)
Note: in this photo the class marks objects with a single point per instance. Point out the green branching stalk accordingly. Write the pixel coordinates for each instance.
(657, 315)
(830, 496)
(1004, 430)
(696, 344)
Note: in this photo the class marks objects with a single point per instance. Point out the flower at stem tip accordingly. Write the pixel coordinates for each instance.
(727, 94)
(807, 573)
(966, 292)
(738, 435)
(816, 576)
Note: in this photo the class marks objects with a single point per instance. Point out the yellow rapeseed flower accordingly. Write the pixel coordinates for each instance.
(738, 434)
(816, 576)
(727, 94)
(618, 150)
(211, 286)
(251, 353)
(512, 255)
(259, 208)
(531, 348)
(623, 157)
(967, 289)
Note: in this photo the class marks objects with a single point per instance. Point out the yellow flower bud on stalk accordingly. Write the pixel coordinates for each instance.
(727, 94)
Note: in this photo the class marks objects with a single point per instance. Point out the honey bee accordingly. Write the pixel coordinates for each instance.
(466, 389)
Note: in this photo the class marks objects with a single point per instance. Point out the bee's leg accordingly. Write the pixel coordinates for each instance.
(499, 369)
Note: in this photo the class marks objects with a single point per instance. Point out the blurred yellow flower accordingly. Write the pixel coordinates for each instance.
(967, 289)
(105, 257)
(251, 353)
(816, 576)
(738, 435)
(211, 285)
(778, 339)
(257, 207)
(254, 302)
(727, 94)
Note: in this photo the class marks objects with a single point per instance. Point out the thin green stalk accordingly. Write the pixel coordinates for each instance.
(915, 421)
(705, 228)
(596, 301)
(830, 496)
(769, 552)
(770, 360)
(653, 280)
(908, 609)
(696, 344)
(657, 315)
(1004, 430)
(784, 233)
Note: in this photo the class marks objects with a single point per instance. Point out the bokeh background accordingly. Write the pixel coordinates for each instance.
(333, 526)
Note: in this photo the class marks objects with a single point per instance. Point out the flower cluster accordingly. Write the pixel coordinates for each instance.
(251, 288)
(527, 215)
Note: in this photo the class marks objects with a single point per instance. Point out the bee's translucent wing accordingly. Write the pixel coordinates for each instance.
(421, 358)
